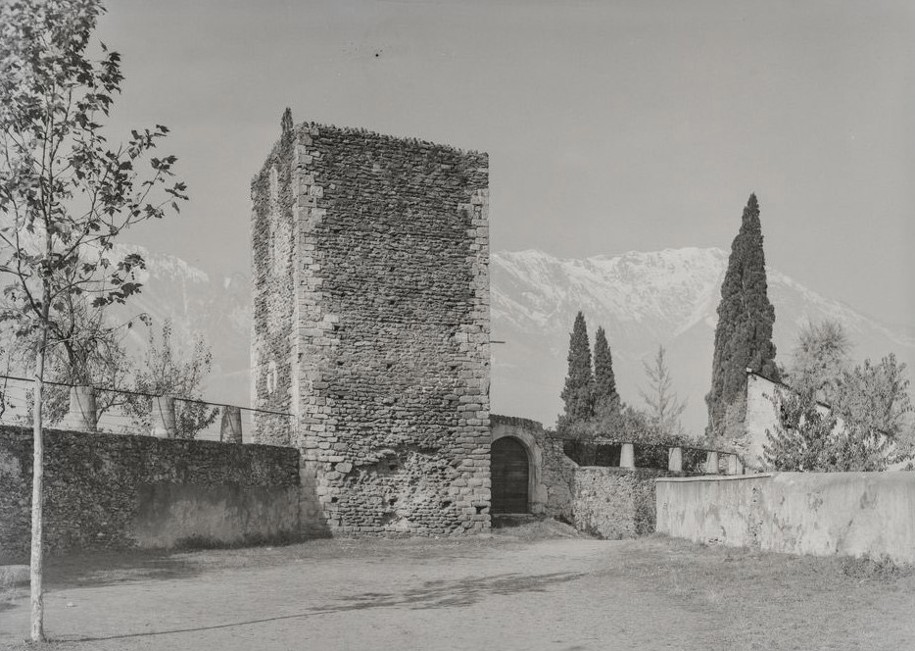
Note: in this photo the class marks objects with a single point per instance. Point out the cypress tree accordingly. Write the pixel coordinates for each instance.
(743, 336)
(605, 394)
(578, 392)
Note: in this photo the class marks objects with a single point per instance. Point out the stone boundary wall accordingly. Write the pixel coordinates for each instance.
(848, 513)
(614, 503)
(105, 491)
(559, 476)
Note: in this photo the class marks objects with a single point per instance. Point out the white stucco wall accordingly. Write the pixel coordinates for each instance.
(849, 513)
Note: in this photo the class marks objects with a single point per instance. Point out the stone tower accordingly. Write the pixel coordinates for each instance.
(371, 325)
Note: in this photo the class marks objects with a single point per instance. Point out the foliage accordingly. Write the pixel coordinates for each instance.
(743, 335)
(107, 364)
(110, 371)
(618, 421)
(802, 440)
(664, 406)
(819, 359)
(578, 392)
(164, 374)
(65, 195)
(595, 412)
(867, 428)
(604, 381)
(622, 423)
(873, 402)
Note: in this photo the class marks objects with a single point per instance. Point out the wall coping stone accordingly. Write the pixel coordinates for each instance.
(528, 423)
(110, 436)
(718, 477)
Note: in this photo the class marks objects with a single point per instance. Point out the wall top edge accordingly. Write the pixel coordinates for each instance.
(763, 475)
(309, 128)
(791, 477)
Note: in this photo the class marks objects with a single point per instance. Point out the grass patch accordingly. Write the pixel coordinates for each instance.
(882, 569)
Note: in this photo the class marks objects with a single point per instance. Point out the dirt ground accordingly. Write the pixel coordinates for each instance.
(533, 588)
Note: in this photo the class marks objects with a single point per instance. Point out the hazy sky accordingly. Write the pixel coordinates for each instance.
(611, 126)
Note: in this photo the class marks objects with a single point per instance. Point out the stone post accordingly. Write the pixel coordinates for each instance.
(675, 459)
(627, 456)
(82, 414)
(230, 427)
(711, 463)
(163, 417)
(734, 465)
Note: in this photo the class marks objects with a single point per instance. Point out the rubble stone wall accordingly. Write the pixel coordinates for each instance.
(381, 322)
(106, 491)
(614, 503)
(274, 273)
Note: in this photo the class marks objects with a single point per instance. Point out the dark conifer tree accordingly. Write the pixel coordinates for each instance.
(605, 394)
(578, 392)
(743, 337)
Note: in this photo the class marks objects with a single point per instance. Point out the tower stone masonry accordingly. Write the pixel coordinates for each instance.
(371, 326)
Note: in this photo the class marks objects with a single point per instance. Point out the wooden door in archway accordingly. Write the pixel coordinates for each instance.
(510, 474)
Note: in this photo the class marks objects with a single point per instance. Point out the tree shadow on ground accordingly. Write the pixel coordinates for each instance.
(432, 594)
(108, 568)
(447, 594)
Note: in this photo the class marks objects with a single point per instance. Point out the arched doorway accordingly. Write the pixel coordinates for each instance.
(509, 468)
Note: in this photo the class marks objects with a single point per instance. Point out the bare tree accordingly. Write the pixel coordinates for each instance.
(664, 406)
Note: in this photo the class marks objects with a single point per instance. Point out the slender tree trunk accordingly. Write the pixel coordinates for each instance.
(37, 557)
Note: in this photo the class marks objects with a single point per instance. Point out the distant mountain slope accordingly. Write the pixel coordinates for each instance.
(642, 299)
(219, 308)
(665, 297)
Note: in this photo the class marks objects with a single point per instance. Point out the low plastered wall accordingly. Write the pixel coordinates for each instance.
(855, 513)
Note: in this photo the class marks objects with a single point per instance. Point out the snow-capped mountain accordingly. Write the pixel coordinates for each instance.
(642, 300)
(216, 307)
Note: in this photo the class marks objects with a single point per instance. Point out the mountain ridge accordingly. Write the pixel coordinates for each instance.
(642, 299)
